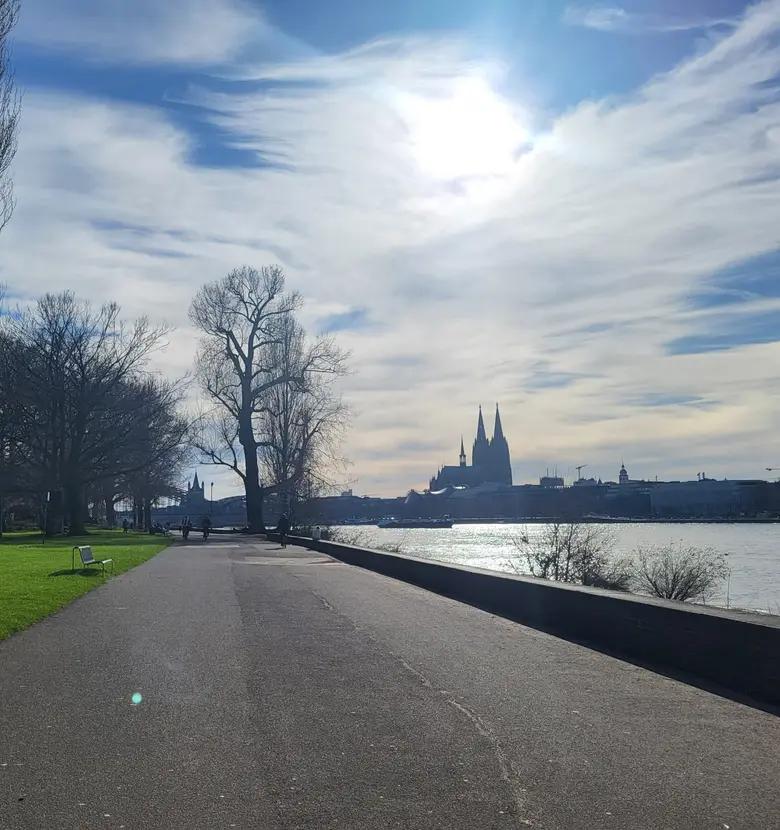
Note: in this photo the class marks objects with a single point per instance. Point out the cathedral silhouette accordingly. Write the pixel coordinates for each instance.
(490, 461)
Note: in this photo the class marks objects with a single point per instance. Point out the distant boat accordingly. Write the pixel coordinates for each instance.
(411, 523)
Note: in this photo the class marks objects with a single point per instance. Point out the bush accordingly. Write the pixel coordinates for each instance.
(614, 574)
(680, 572)
(574, 552)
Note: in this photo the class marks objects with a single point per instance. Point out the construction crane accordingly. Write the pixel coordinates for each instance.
(579, 471)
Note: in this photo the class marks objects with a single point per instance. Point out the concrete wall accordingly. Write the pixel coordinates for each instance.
(738, 652)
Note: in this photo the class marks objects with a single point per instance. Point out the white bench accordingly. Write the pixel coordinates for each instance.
(85, 552)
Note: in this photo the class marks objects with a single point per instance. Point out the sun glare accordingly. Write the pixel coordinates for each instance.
(470, 132)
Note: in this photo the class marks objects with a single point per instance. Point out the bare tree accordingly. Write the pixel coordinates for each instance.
(9, 109)
(573, 552)
(302, 424)
(246, 318)
(75, 387)
(13, 426)
(680, 572)
(149, 465)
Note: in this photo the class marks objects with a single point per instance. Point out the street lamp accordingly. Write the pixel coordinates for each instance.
(211, 500)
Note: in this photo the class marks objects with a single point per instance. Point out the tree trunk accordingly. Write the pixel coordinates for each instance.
(108, 498)
(254, 494)
(74, 509)
(148, 515)
(53, 513)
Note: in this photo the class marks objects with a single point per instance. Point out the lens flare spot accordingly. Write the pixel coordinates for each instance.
(136, 698)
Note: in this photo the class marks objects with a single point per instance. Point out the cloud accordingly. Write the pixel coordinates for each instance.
(576, 259)
(617, 19)
(152, 31)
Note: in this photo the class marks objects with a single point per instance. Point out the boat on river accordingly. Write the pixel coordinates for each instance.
(392, 522)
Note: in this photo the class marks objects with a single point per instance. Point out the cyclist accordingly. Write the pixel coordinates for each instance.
(283, 528)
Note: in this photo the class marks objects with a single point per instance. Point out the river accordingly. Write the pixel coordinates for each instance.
(753, 550)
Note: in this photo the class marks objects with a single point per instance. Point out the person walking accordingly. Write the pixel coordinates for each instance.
(283, 528)
(125, 525)
(186, 526)
(206, 527)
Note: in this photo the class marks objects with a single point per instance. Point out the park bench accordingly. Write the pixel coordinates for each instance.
(85, 552)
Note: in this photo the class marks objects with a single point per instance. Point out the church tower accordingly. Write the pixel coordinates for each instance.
(623, 476)
(490, 461)
(480, 454)
(196, 492)
(501, 465)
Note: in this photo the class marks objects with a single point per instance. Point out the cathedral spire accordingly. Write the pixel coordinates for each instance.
(499, 460)
(498, 431)
(195, 482)
(462, 456)
(480, 454)
(481, 436)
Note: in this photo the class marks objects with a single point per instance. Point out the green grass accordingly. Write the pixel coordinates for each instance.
(36, 579)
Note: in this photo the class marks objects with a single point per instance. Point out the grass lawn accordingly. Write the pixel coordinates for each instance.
(36, 579)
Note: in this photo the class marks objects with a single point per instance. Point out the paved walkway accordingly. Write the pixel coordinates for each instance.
(282, 689)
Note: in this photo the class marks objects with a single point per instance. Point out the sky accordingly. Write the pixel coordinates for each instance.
(571, 209)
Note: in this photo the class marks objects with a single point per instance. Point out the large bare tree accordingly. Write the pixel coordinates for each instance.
(252, 348)
(9, 109)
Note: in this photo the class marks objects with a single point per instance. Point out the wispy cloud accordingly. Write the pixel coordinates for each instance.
(583, 251)
(618, 19)
(192, 32)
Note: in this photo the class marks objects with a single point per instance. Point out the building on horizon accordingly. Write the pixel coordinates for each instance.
(193, 504)
(490, 461)
(195, 497)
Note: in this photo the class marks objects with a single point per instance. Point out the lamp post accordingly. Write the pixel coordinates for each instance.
(728, 584)
(211, 500)
(45, 517)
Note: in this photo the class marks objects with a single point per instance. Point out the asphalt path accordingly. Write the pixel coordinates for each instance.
(282, 689)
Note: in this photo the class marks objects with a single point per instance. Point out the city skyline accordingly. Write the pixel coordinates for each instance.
(597, 251)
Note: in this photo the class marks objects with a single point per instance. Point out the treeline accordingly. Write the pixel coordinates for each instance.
(83, 424)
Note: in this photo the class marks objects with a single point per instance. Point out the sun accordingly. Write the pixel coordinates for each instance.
(470, 131)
